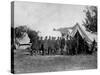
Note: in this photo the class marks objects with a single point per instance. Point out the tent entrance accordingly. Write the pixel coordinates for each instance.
(81, 44)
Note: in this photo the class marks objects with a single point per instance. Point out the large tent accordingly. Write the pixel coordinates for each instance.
(71, 31)
(76, 29)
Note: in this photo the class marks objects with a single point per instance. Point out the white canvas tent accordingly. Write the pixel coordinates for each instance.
(82, 33)
(23, 42)
(71, 31)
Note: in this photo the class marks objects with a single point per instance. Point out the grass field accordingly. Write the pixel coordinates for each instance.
(28, 64)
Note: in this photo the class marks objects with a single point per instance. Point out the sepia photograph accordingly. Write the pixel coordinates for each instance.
(52, 37)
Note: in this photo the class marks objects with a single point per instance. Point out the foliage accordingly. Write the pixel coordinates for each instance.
(91, 19)
(33, 35)
(19, 31)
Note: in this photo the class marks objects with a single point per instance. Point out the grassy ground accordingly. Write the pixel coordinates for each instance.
(28, 64)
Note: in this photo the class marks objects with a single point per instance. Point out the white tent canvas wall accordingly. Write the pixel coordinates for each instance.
(23, 42)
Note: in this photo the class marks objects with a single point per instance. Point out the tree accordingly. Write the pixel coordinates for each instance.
(19, 31)
(33, 35)
(34, 39)
(90, 22)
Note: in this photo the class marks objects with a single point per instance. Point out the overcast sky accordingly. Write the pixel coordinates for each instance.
(44, 17)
